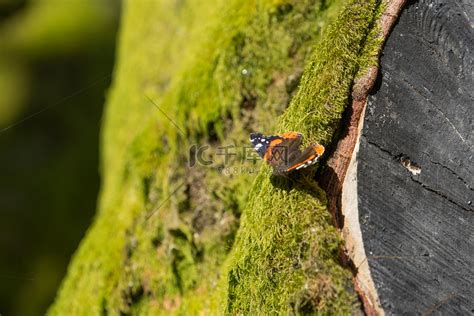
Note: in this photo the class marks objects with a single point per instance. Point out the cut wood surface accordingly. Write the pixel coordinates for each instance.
(415, 164)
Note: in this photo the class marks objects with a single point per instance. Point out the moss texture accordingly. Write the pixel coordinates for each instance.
(228, 237)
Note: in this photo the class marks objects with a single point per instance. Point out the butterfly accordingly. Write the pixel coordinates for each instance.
(283, 152)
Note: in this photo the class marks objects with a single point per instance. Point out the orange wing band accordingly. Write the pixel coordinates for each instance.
(291, 135)
(272, 144)
(319, 149)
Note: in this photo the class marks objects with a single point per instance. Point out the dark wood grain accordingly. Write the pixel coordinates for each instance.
(418, 227)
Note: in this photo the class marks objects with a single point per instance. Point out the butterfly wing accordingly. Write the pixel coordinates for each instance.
(308, 157)
(292, 142)
(282, 149)
(261, 143)
(283, 152)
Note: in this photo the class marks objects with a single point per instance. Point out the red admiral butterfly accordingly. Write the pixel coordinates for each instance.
(283, 152)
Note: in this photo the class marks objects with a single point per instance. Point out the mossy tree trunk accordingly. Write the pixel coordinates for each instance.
(228, 237)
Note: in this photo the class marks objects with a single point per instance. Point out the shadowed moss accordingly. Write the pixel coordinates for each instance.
(218, 69)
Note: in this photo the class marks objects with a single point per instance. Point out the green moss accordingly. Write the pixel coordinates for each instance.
(285, 256)
(284, 259)
(34, 33)
(325, 87)
(373, 45)
(174, 239)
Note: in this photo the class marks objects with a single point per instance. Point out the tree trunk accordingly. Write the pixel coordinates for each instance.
(187, 222)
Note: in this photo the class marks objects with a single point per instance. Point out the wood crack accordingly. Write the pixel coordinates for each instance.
(423, 185)
(450, 170)
(435, 107)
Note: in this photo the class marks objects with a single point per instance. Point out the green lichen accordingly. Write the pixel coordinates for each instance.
(169, 238)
